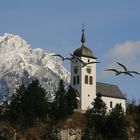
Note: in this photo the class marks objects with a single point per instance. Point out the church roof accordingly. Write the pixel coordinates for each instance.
(109, 90)
(83, 50)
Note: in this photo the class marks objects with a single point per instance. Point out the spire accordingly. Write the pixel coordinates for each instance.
(83, 40)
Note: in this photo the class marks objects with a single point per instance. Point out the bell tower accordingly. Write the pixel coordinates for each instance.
(83, 75)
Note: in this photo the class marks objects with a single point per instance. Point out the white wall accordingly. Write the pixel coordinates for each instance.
(114, 101)
(76, 86)
(87, 92)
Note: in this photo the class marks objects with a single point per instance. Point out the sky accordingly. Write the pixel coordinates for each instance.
(112, 30)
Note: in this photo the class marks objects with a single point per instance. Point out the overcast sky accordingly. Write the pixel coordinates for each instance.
(112, 30)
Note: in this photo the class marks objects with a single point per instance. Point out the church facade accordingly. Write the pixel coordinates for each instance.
(83, 79)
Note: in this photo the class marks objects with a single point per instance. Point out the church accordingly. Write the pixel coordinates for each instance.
(83, 80)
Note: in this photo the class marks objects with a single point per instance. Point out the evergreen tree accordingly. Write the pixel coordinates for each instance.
(116, 124)
(131, 108)
(95, 119)
(3, 110)
(59, 107)
(14, 109)
(28, 105)
(64, 103)
(137, 120)
(71, 100)
(99, 107)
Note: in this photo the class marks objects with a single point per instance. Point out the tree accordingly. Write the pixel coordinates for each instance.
(99, 107)
(95, 119)
(116, 124)
(64, 103)
(3, 110)
(71, 100)
(131, 108)
(14, 109)
(59, 106)
(137, 120)
(28, 105)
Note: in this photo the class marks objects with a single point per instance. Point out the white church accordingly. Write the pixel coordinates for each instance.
(83, 79)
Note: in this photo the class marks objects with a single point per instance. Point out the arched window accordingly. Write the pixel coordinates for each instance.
(78, 80)
(74, 80)
(86, 79)
(90, 80)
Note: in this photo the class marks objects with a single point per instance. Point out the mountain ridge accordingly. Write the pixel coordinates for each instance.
(20, 64)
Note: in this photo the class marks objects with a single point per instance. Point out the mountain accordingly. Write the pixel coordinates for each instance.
(20, 64)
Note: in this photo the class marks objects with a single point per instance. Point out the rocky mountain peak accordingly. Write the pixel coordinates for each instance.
(20, 64)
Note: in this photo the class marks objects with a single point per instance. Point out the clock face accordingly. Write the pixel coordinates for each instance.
(88, 70)
(75, 70)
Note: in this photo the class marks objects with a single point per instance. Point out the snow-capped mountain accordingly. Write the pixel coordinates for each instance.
(19, 64)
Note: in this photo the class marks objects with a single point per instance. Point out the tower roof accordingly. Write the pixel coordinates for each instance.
(83, 50)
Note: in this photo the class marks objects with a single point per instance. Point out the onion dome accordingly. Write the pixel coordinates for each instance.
(83, 50)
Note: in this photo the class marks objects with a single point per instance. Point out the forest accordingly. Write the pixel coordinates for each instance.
(32, 115)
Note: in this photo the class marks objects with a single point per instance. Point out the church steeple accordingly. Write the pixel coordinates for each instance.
(83, 78)
(83, 40)
(83, 50)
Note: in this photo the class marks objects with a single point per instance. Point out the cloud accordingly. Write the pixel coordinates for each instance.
(127, 53)
(124, 50)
